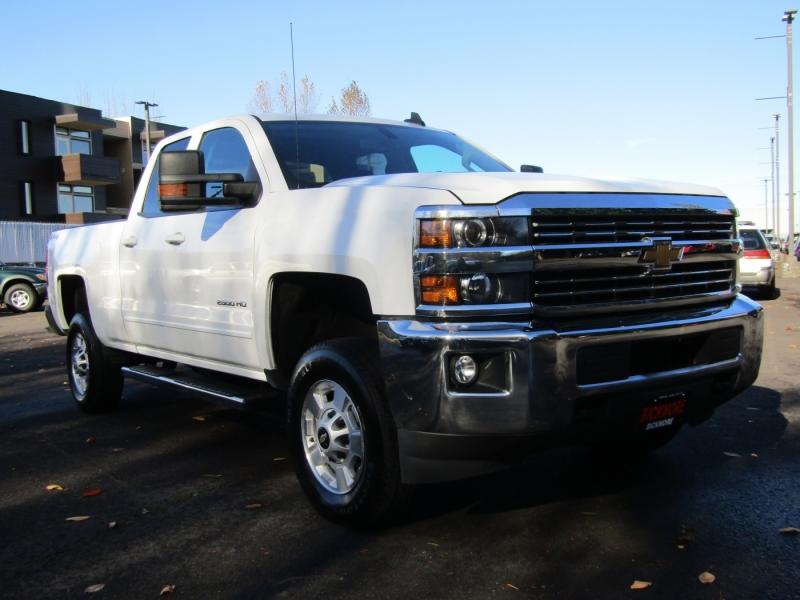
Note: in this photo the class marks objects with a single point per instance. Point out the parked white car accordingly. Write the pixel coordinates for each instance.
(757, 268)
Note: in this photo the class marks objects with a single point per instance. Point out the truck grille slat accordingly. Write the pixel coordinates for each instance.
(584, 287)
(585, 243)
(590, 228)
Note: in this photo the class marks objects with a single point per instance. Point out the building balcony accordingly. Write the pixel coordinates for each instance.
(84, 120)
(85, 169)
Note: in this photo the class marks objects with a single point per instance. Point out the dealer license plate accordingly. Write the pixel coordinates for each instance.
(663, 411)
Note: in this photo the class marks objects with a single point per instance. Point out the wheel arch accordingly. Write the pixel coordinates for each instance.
(72, 296)
(14, 279)
(306, 308)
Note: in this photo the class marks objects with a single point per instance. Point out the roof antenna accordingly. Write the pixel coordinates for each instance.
(415, 119)
(294, 95)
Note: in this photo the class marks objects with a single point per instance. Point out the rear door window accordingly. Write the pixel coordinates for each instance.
(752, 239)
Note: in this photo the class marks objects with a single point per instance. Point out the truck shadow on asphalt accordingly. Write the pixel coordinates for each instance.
(747, 425)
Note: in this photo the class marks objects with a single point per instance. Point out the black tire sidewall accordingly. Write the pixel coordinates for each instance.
(31, 292)
(326, 363)
(104, 384)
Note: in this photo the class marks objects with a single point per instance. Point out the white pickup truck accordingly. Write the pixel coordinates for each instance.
(429, 313)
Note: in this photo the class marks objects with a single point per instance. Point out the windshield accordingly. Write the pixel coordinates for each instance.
(331, 150)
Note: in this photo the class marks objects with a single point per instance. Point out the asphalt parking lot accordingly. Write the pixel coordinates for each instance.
(202, 498)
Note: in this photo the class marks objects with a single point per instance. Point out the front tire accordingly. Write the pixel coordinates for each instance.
(94, 379)
(21, 297)
(342, 437)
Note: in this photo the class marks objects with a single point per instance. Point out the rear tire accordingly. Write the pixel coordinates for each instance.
(21, 297)
(342, 437)
(94, 379)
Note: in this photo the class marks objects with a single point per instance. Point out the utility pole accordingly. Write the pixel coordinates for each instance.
(766, 204)
(788, 17)
(776, 213)
(147, 107)
(772, 174)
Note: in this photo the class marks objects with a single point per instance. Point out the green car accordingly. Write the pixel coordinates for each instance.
(22, 289)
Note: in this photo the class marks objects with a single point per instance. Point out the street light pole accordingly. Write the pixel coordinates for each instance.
(772, 174)
(788, 17)
(147, 106)
(766, 204)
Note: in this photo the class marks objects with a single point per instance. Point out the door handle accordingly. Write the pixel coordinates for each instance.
(176, 239)
(130, 241)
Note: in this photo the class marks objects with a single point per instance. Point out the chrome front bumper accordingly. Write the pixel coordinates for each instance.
(447, 433)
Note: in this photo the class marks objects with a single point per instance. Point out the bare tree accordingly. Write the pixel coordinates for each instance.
(261, 104)
(307, 99)
(84, 98)
(285, 94)
(114, 105)
(353, 101)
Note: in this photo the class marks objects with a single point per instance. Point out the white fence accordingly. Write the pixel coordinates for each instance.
(23, 242)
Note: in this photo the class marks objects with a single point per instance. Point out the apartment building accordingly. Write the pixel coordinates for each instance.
(67, 163)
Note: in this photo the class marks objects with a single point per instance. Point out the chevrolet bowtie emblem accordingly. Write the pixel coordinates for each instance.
(661, 255)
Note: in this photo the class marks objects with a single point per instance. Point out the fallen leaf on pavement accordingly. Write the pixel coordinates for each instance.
(512, 586)
(753, 455)
(54, 487)
(434, 544)
(94, 588)
(145, 511)
(112, 524)
(91, 492)
(705, 577)
(252, 506)
(90, 440)
(732, 454)
(167, 589)
(640, 585)
(199, 418)
(78, 518)
(789, 531)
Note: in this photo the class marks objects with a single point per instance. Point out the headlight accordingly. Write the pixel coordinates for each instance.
(473, 232)
(475, 289)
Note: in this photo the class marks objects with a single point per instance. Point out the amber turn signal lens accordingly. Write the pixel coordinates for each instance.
(173, 190)
(439, 289)
(435, 233)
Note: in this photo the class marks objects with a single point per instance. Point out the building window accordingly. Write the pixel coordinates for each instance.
(24, 137)
(27, 197)
(75, 198)
(72, 141)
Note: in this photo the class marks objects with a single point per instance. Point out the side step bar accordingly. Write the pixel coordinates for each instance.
(238, 391)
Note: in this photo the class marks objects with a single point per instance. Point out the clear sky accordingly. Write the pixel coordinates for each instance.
(625, 88)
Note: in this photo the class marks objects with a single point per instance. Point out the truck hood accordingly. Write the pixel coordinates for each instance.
(490, 188)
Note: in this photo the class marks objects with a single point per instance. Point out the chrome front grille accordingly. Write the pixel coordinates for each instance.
(576, 286)
(593, 254)
(588, 228)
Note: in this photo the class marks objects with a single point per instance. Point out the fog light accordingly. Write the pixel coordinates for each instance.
(465, 370)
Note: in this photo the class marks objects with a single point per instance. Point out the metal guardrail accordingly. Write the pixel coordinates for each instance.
(26, 242)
